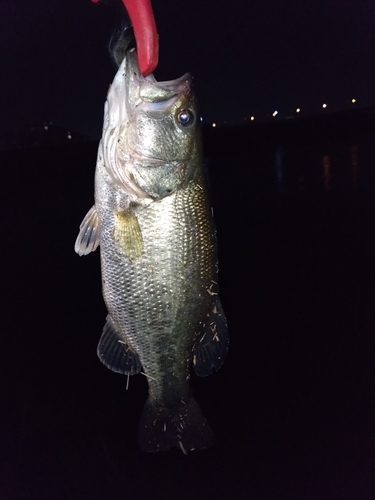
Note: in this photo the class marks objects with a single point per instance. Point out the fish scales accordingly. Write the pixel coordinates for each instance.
(154, 224)
(166, 287)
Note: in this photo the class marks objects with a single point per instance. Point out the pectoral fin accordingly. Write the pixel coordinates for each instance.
(127, 234)
(211, 348)
(116, 354)
(89, 233)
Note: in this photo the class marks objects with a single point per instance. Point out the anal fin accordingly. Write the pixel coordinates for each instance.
(210, 349)
(89, 233)
(116, 354)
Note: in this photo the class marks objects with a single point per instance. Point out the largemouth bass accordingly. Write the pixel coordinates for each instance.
(154, 224)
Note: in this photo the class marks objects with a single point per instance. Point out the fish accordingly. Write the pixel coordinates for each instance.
(153, 222)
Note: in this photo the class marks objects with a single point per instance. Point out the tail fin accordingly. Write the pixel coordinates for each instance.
(182, 426)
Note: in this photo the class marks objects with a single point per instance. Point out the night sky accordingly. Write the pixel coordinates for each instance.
(247, 57)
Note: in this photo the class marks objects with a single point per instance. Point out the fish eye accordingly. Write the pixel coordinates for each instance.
(185, 117)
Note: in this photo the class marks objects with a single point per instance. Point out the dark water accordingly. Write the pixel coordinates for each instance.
(293, 406)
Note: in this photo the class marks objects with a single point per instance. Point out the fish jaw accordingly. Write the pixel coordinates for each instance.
(146, 146)
(116, 117)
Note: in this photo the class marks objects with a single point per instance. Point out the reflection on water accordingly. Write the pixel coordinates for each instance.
(331, 169)
(326, 172)
(306, 166)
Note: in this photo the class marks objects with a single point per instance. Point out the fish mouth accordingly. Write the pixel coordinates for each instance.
(156, 95)
(153, 97)
(131, 95)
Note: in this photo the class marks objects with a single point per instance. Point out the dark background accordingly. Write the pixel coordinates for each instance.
(247, 57)
(293, 406)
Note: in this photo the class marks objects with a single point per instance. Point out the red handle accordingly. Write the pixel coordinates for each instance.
(142, 18)
(146, 36)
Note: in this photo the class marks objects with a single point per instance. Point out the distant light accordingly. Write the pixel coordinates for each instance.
(298, 110)
(324, 105)
(201, 118)
(69, 135)
(353, 101)
(252, 118)
(275, 113)
(45, 127)
(214, 124)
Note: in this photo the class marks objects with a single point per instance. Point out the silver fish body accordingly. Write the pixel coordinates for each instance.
(154, 224)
